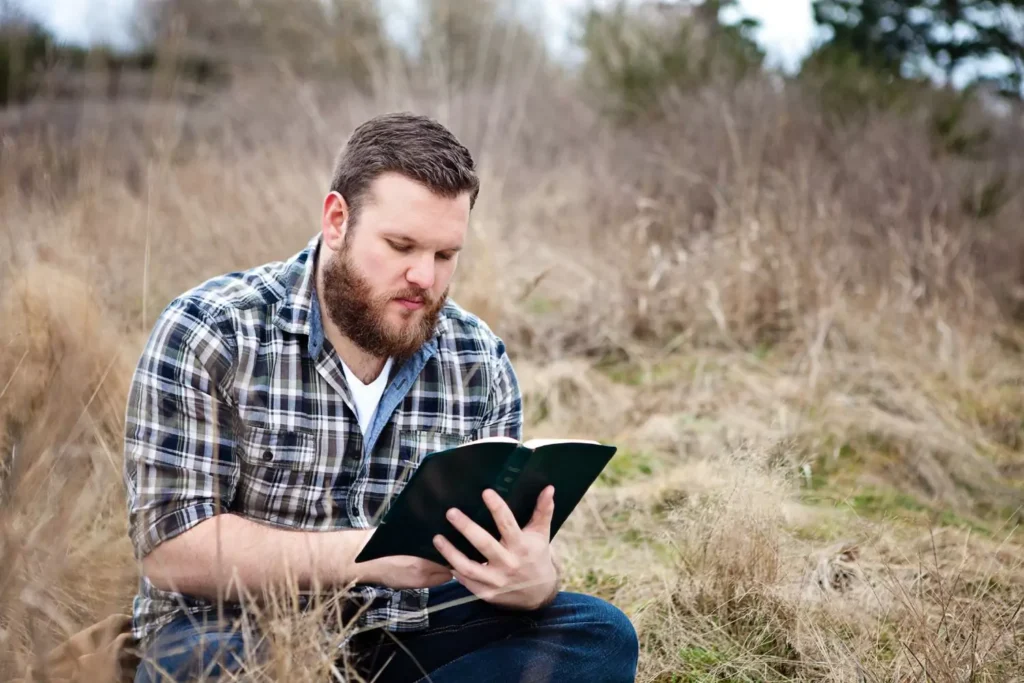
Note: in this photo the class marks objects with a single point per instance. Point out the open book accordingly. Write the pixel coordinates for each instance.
(457, 477)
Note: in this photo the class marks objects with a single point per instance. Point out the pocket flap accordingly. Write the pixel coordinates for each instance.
(417, 444)
(279, 448)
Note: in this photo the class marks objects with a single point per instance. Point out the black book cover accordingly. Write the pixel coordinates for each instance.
(457, 478)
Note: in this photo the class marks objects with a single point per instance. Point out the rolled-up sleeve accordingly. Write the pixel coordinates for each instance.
(503, 414)
(179, 459)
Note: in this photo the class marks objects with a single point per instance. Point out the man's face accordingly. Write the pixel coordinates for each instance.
(386, 278)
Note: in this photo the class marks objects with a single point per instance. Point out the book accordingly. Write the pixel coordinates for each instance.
(457, 477)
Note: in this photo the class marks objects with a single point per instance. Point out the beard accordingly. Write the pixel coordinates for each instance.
(363, 317)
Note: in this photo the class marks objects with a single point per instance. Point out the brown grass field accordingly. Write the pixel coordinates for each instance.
(802, 343)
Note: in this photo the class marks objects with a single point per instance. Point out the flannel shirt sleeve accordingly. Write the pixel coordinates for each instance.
(179, 460)
(503, 414)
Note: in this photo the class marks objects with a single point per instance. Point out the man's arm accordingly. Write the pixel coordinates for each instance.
(223, 555)
(181, 473)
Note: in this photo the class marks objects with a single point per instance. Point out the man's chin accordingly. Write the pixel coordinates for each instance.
(401, 318)
(404, 325)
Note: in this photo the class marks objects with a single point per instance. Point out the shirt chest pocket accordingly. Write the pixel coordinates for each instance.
(282, 480)
(414, 445)
(269, 449)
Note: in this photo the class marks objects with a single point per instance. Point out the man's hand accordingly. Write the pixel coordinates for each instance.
(400, 571)
(520, 571)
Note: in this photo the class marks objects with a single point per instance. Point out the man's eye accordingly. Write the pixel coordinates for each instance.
(400, 248)
(445, 256)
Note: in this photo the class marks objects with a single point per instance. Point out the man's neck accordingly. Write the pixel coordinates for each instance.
(363, 365)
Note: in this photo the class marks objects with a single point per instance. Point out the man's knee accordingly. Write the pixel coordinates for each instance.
(614, 625)
(187, 649)
(613, 635)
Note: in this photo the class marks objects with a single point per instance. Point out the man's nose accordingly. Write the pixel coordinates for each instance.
(421, 274)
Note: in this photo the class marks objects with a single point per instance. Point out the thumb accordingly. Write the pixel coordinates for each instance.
(543, 513)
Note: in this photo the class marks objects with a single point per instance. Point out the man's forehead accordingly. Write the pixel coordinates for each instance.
(420, 217)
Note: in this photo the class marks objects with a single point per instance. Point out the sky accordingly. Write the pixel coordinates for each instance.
(786, 32)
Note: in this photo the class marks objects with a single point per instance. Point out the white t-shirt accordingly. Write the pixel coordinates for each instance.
(367, 396)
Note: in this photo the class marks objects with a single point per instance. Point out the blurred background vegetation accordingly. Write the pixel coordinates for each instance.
(869, 50)
(636, 59)
(793, 297)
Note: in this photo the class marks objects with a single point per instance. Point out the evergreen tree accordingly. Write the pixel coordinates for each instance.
(635, 52)
(912, 38)
(465, 42)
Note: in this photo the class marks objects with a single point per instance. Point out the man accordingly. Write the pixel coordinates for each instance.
(275, 412)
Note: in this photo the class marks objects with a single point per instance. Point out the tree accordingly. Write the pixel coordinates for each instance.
(917, 38)
(465, 42)
(24, 46)
(637, 51)
(340, 38)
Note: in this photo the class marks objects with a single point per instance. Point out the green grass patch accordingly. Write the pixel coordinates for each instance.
(880, 503)
(626, 373)
(835, 476)
(701, 665)
(840, 460)
(542, 305)
(634, 537)
(825, 530)
(628, 465)
(892, 506)
(662, 372)
(704, 665)
(999, 413)
(763, 351)
(598, 583)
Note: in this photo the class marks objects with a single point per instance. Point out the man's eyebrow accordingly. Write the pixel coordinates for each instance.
(398, 237)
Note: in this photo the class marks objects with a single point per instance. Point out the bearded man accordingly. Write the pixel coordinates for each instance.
(275, 412)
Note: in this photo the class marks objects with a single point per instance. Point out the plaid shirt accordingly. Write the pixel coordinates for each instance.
(238, 405)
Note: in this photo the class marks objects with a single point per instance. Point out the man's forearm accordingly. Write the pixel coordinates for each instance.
(222, 555)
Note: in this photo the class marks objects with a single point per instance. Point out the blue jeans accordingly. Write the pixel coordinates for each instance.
(575, 638)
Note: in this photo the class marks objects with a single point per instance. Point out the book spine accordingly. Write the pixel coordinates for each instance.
(514, 464)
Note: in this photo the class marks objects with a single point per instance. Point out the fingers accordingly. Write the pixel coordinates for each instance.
(488, 545)
(479, 589)
(540, 522)
(475, 587)
(462, 565)
(506, 522)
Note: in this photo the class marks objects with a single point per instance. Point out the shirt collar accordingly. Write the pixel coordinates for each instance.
(296, 314)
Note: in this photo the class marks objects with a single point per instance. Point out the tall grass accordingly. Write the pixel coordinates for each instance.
(802, 341)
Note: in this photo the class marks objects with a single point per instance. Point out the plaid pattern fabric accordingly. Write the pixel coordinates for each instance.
(239, 404)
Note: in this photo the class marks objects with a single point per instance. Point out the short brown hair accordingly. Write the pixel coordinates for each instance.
(415, 146)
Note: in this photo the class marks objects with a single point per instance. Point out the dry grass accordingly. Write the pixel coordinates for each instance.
(801, 346)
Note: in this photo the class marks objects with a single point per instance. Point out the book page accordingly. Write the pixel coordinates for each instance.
(537, 443)
(492, 439)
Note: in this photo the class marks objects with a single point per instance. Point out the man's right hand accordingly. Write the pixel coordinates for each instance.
(399, 571)
(402, 571)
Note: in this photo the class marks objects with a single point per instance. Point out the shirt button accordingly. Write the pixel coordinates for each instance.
(267, 455)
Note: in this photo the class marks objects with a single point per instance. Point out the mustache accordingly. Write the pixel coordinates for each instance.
(413, 295)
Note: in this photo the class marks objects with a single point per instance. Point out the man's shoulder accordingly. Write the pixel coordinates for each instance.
(253, 294)
(460, 328)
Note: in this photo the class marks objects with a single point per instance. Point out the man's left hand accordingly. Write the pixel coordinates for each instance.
(520, 571)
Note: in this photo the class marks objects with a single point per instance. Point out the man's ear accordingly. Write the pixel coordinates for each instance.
(335, 220)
